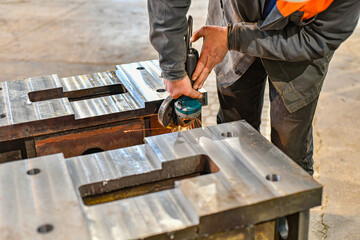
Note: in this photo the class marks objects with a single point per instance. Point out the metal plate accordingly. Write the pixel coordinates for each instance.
(48, 104)
(249, 181)
(39, 205)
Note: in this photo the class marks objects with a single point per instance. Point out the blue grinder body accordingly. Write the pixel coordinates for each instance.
(187, 108)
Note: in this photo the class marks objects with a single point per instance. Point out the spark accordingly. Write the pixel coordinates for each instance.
(195, 124)
(143, 129)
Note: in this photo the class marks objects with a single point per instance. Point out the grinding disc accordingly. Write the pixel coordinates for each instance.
(166, 115)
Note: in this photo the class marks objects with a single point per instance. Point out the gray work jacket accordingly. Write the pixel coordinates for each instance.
(295, 54)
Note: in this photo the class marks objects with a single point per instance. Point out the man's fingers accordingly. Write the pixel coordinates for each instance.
(200, 66)
(175, 88)
(204, 73)
(194, 94)
(173, 91)
(197, 34)
(203, 76)
(175, 95)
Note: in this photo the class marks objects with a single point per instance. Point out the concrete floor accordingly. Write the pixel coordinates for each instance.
(81, 36)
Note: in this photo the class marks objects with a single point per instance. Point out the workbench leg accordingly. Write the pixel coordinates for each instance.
(298, 226)
(304, 221)
(30, 148)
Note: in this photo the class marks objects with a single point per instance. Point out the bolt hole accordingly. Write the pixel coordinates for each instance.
(273, 177)
(92, 150)
(227, 134)
(33, 171)
(1, 88)
(3, 115)
(140, 68)
(160, 90)
(46, 228)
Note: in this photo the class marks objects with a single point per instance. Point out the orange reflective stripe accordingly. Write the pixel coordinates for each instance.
(286, 7)
(314, 7)
(309, 7)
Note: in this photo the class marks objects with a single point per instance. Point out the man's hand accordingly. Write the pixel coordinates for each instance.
(181, 87)
(213, 51)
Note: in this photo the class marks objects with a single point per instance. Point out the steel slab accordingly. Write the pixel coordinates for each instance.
(247, 181)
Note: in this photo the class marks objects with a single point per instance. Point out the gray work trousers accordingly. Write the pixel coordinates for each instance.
(290, 132)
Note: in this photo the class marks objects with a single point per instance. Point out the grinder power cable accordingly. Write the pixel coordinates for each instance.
(184, 110)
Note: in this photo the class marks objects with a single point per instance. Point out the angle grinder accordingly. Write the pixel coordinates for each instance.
(184, 110)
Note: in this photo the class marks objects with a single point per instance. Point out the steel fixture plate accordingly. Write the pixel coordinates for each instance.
(248, 181)
(48, 104)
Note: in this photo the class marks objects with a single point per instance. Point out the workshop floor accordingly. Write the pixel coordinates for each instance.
(71, 37)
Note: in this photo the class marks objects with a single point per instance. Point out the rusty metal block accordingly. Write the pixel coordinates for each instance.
(91, 140)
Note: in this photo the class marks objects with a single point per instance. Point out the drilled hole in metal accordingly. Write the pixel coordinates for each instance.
(160, 90)
(1, 88)
(33, 171)
(227, 134)
(3, 115)
(273, 177)
(46, 228)
(140, 68)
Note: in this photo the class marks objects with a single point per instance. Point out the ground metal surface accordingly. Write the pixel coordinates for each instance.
(80, 114)
(245, 181)
(48, 104)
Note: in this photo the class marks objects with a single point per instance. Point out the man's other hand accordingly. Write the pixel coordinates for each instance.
(213, 51)
(181, 87)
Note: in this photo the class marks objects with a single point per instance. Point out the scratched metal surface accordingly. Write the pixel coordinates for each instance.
(31, 201)
(112, 164)
(236, 195)
(16, 107)
(141, 80)
(80, 82)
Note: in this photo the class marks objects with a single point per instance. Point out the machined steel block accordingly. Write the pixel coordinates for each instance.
(215, 181)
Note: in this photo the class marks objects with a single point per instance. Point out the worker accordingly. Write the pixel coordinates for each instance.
(290, 42)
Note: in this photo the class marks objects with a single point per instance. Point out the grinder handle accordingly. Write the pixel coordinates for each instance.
(192, 55)
(191, 61)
